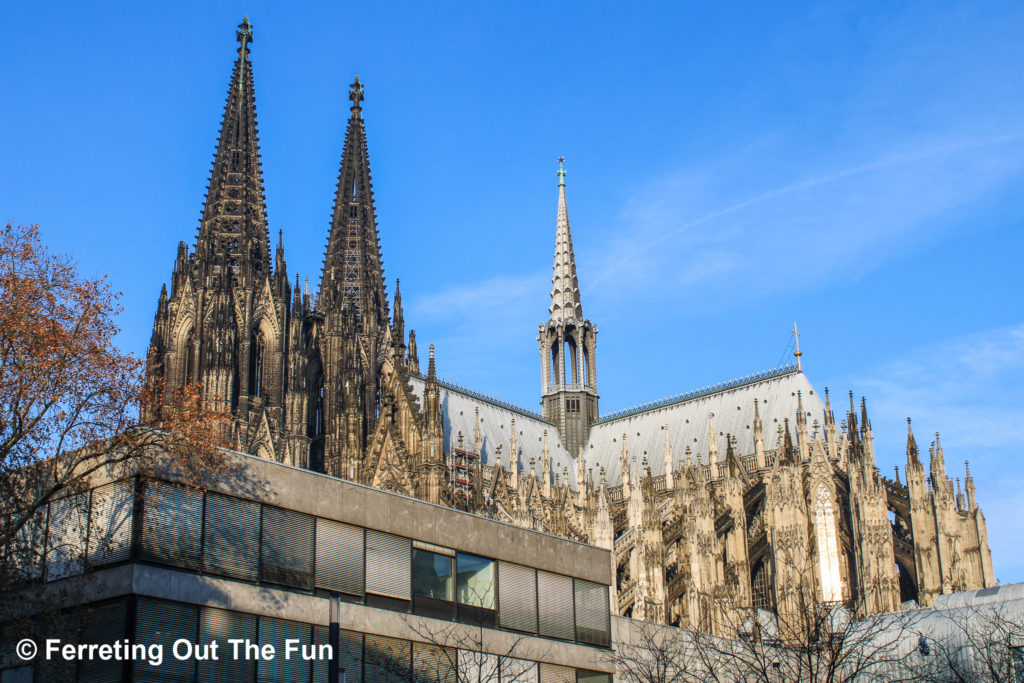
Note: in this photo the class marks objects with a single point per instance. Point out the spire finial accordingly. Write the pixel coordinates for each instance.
(798, 352)
(355, 96)
(561, 172)
(244, 36)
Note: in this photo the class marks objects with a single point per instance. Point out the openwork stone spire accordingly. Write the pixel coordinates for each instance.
(353, 275)
(233, 238)
(565, 288)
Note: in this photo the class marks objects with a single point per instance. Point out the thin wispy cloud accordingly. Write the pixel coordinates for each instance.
(856, 216)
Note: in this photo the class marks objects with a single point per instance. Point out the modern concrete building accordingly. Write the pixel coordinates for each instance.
(424, 592)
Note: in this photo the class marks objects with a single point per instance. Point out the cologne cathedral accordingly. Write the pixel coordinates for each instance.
(716, 501)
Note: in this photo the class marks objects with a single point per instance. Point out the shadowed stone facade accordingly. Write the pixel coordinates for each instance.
(712, 502)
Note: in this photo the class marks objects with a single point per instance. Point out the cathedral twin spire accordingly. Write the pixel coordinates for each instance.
(233, 241)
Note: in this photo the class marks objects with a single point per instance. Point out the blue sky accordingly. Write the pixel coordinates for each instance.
(733, 167)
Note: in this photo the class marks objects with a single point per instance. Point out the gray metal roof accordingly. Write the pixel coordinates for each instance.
(458, 410)
(687, 423)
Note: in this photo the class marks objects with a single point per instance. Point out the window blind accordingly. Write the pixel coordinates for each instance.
(110, 522)
(387, 660)
(165, 622)
(518, 671)
(287, 547)
(218, 625)
(555, 600)
(66, 536)
(104, 623)
(475, 665)
(232, 537)
(172, 525)
(552, 673)
(388, 565)
(517, 597)
(282, 669)
(350, 655)
(593, 613)
(433, 664)
(340, 563)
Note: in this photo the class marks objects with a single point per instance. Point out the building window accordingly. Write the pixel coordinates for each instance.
(759, 586)
(475, 590)
(433, 584)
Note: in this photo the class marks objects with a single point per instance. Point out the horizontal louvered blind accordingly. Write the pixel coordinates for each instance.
(388, 565)
(339, 557)
(583, 676)
(162, 623)
(25, 554)
(517, 597)
(104, 623)
(551, 673)
(350, 655)
(287, 547)
(387, 660)
(593, 613)
(475, 665)
(66, 536)
(433, 663)
(172, 525)
(232, 538)
(284, 668)
(555, 601)
(110, 522)
(518, 670)
(218, 625)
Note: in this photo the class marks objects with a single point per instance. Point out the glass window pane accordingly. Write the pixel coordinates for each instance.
(475, 580)
(432, 575)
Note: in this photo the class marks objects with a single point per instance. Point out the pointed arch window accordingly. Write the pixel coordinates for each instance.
(257, 351)
(187, 358)
(828, 547)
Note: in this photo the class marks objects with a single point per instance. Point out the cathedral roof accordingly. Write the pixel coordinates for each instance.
(459, 408)
(687, 421)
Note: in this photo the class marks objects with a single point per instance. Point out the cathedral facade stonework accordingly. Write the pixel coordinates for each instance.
(749, 495)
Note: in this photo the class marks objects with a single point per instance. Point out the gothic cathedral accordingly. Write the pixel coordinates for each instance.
(744, 496)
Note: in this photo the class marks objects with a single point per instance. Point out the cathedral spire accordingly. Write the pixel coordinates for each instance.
(233, 238)
(353, 273)
(565, 288)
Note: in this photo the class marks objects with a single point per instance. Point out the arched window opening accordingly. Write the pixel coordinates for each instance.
(585, 370)
(570, 362)
(187, 359)
(257, 349)
(828, 547)
(554, 364)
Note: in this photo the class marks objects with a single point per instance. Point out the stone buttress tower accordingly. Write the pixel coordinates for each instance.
(356, 334)
(568, 344)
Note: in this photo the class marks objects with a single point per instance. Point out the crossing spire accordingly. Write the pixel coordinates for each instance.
(565, 288)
